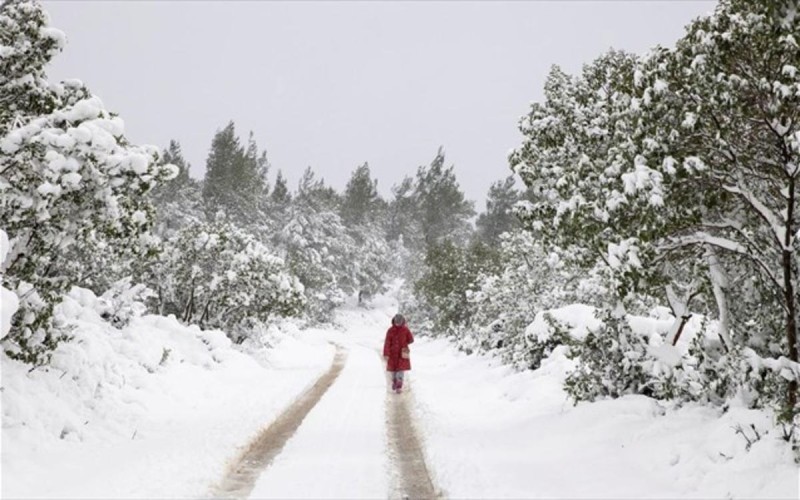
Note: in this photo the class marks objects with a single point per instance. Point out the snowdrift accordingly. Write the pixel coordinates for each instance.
(493, 432)
(153, 409)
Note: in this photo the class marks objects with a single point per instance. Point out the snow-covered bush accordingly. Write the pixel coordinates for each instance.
(611, 361)
(626, 354)
(66, 170)
(321, 253)
(9, 302)
(123, 302)
(507, 300)
(217, 275)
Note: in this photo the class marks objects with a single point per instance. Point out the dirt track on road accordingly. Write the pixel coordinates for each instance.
(411, 477)
(242, 474)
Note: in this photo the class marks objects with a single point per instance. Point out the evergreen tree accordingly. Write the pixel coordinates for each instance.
(451, 272)
(314, 193)
(362, 211)
(403, 222)
(174, 156)
(31, 43)
(218, 185)
(178, 202)
(499, 216)
(361, 201)
(235, 180)
(280, 196)
(443, 211)
(728, 85)
(678, 171)
(219, 276)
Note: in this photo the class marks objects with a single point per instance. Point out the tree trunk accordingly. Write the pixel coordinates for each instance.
(684, 320)
(188, 311)
(680, 308)
(789, 298)
(719, 283)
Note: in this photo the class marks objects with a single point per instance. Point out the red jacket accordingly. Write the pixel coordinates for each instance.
(397, 338)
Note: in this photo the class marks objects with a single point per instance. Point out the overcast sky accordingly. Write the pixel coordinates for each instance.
(332, 84)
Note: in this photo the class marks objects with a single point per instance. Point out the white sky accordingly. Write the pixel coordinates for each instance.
(332, 84)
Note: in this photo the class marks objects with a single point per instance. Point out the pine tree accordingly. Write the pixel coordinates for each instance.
(31, 43)
(280, 196)
(217, 275)
(499, 216)
(728, 83)
(219, 182)
(235, 181)
(403, 221)
(361, 201)
(444, 212)
(314, 193)
(178, 202)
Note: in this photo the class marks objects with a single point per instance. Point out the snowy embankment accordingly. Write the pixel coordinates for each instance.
(492, 432)
(155, 409)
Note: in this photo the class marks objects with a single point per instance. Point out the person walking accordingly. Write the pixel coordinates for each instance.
(396, 352)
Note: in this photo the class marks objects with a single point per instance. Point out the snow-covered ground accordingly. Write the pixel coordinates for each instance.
(120, 423)
(493, 433)
(111, 420)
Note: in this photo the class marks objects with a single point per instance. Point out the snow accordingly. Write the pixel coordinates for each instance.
(158, 409)
(8, 299)
(342, 442)
(494, 433)
(153, 410)
(580, 318)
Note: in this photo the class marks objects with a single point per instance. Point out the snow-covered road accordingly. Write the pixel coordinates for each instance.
(339, 451)
(349, 444)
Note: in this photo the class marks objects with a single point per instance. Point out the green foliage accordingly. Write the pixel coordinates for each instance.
(178, 202)
(219, 276)
(499, 216)
(361, 203)
(68, 178)
(451, 271)
(235, 180)
(440, 204)
(609, 362)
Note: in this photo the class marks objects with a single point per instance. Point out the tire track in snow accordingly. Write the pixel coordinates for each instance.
(411, 478)
(241, 476)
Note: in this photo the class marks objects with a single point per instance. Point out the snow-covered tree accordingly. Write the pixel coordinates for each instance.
(178, 202)
(361, 203)
(505, 300)
(235, 180)
(451, 272)
(733, 82)
(280, 195)
(443, 211)
(499, 216)
(66, 171)
(217, 275)
(678, 170)
(363, 213)
(318, 247)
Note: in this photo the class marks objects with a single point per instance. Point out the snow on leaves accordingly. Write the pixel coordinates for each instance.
(66, 171)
